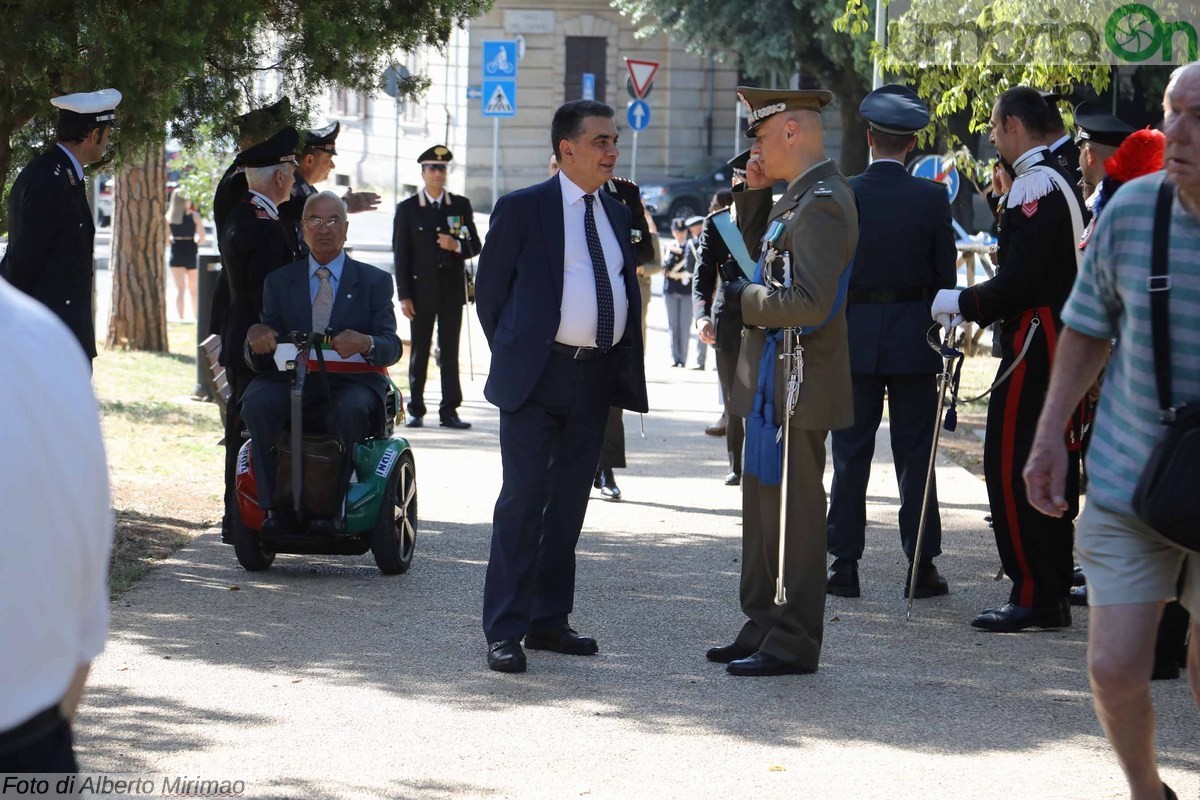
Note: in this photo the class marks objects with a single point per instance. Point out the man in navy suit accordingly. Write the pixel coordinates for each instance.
(905, 253)
(558, 300)
(328, 291)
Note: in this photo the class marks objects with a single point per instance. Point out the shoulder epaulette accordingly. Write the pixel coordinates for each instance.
(262, 213)
(1029, 187)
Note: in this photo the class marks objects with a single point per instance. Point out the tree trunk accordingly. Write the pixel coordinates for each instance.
(855, 152)
(139, 313)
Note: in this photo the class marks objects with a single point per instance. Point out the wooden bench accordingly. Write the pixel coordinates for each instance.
(209, 352)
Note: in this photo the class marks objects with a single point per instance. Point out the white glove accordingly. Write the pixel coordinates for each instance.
(945, 303)
(947, 321)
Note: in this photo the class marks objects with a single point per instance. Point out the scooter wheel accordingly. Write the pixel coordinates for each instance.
(248, 545)
(395, 536)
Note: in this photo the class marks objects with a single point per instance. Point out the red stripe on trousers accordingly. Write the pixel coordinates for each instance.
(1007, 446)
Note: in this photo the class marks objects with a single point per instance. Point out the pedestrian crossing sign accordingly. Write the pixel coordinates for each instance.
(499, 98)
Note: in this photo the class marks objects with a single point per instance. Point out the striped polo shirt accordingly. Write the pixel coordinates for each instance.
(1110, 300)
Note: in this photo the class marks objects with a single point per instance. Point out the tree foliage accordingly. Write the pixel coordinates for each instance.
(773, 36)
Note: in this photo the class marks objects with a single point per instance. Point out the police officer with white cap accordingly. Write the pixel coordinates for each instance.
(51, 233)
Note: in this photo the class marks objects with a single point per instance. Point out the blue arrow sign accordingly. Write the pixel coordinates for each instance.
(638, 114)
(499, 59)
(589, 86)
(499, 98)
(474, 92)
(933, 168)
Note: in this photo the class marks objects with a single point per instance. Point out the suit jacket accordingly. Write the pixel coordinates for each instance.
(425, 273)
(253, 246)
(50, 242)
(819, 231)
(518, 295)
(363, 304)
(905, 243)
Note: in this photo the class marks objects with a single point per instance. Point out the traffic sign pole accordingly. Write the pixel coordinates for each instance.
(633, 166)
(495, 160)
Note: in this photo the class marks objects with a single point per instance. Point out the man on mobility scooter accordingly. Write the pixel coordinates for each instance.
(348, 306)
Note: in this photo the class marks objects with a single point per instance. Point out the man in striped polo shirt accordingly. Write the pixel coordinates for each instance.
(1131, 570)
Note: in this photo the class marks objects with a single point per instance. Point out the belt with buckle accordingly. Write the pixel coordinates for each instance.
(577, 353)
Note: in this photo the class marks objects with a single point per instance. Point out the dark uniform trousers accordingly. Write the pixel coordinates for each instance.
(727, 350)
(448, 317)
(1035, 549)
(912, 400)
(792, 632)
(550, 446)
(41, 744)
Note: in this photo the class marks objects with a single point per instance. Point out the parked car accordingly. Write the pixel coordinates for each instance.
(668, 198)
(105, 184)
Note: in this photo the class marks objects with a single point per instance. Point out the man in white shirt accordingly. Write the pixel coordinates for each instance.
(54, 573)
(557, 295)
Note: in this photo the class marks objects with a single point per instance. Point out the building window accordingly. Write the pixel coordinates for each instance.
(586, 54)
(339, 100)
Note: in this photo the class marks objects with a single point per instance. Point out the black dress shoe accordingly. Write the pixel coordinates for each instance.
(728, 653)
(1077, 577)
(764, 664)
(843, 578)
(1165, 670)
(1077, 596)
(929, 582)
(716, 429)
(506, 655)
(1010, 618)
(414, 421)
(733, 478)
(454, 422)
(607, 484)
(562, 640)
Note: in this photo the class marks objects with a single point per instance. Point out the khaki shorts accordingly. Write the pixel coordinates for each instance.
(1127, 562)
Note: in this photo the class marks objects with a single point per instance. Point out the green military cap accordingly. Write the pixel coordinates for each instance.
(761, 104)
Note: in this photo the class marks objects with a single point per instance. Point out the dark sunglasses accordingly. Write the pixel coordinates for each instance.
(436, 167)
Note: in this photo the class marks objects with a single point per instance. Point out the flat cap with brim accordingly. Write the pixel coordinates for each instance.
(1097, 125)
(695, 221)
(279, 149)
(100, 106)
(438, 154)
(894, 109)
(323, 138)
(762, 104)
(738, 163)
(263, 122)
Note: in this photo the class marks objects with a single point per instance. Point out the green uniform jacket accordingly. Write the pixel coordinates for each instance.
(820, 235)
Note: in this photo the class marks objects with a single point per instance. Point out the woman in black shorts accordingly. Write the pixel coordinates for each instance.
(186, 226)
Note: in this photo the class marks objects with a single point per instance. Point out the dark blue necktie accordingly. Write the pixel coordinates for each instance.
(605, 314)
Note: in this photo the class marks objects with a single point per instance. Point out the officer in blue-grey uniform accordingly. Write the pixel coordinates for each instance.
(905, 253)
(51, 233)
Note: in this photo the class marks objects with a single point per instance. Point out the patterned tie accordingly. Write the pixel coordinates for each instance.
(605, 314)
(323, 304)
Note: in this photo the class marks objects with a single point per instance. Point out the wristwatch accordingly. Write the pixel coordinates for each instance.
(371, 349)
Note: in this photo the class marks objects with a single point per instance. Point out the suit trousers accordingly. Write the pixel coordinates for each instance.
(352, 414)
(448, 317)
(1036, 550)
(912, 401)
(612, 451)
(52, 751)
(791, 632)
(735, 426)
(549, 448)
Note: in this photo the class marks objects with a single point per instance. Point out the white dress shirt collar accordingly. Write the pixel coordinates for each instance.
(571, 192)
(74, 161)
(262, 201)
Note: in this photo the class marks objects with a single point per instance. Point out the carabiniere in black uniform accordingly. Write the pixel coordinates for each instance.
(905, 253)
(433, 278)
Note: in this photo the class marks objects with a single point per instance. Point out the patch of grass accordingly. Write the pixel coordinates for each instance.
(164, 463)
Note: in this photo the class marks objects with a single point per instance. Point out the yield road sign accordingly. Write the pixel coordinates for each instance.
(499, 59)
(638, 114)
(641, 72)
(499, 98)
(936, 169)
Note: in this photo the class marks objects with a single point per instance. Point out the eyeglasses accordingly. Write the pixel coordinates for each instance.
(436, 167)
(317, 223)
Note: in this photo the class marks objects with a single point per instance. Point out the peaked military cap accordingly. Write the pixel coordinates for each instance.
(100, 106)
(279, 149)
(323, 138)
(738, 163)
(264, 122)
(1050, 96)
(762, 104)
(438, 154)
(894, 109)
(1097, 125)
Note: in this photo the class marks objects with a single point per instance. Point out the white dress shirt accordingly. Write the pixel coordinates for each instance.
(57, 523)
(577, 325)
